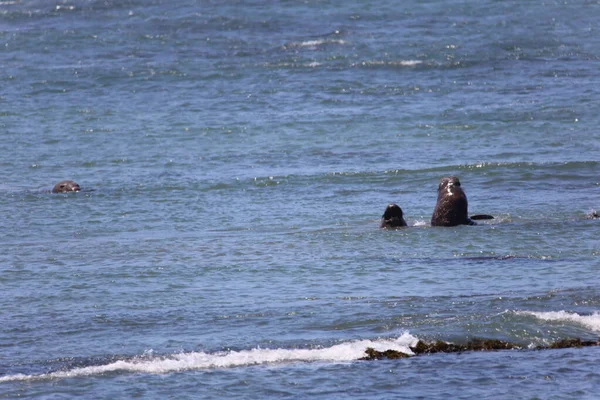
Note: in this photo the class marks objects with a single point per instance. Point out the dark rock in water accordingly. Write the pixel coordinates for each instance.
(373, 354)
(441, 347)
(490, 345)
(429, 348)
(569, 343)
(474, 345)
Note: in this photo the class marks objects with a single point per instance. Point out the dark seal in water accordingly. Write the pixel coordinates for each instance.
(451, 208)
(393, 217)
(66, 186)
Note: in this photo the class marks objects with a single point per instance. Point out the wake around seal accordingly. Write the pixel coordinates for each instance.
(451, 208)
(393, 217)
(66, 186)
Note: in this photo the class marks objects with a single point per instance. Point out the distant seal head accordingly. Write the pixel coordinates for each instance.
(451, 208)
(66, 186)
(393, 217)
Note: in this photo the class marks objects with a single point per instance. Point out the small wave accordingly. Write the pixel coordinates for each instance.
(592, 214)
(575, 165)
(315, 43)
(313, 64)
(347, 351)
(399, 63)
(589, 321)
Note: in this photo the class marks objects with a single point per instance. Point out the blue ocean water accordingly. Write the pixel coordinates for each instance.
(235, 160)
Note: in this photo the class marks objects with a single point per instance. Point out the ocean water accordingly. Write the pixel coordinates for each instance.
(235, 159)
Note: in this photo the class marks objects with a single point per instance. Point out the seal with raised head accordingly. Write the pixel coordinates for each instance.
(451, 208)
(393, 217)
(66, 186)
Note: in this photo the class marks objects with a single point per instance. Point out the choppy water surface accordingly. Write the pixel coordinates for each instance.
(236, 158)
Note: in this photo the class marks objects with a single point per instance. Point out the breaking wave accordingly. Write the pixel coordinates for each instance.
(347, 351)
(589, 321)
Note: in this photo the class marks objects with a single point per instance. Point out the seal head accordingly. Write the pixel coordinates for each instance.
(66, 186)
(393, 217)
(451, 208)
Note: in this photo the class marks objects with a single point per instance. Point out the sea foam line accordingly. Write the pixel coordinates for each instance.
(397, 63)
(347, 351)
(589, 321)
(315, 43)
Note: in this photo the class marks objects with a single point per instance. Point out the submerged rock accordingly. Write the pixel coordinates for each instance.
(476, 344)
(569, 343)
(373, 354)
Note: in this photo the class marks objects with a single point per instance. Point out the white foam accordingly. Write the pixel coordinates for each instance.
(347, 351)
(421, 223)
(589, 321)
(315, 43)
(398, 63)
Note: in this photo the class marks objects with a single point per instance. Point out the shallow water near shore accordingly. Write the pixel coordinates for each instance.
(235, 160)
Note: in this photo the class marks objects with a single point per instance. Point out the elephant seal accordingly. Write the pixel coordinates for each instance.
(451, 208)
(66, 186)
(392, 217)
